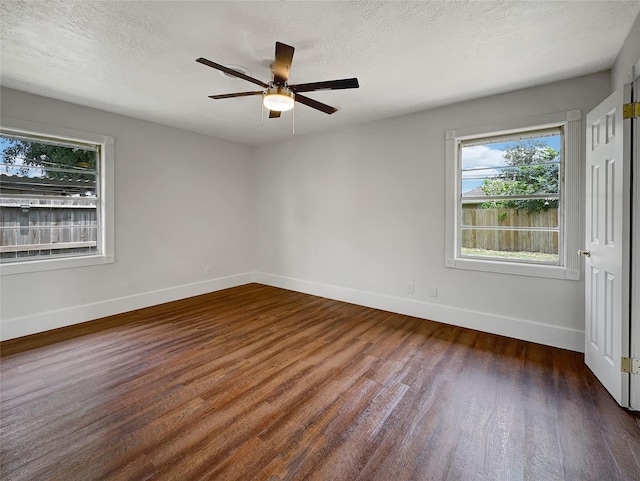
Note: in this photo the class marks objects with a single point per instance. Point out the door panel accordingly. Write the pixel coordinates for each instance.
(607, 221)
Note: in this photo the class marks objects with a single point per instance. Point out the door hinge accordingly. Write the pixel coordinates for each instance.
(630, 365)
(631, 110)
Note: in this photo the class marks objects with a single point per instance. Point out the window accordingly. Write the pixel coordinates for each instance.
(55, 197)
(512, 197)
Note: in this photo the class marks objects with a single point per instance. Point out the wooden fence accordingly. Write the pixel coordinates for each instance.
(54, 228)
(51, 227)
(510, 230)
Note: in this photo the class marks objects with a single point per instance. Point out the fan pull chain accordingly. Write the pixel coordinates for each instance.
(262, 109)
(293, 119)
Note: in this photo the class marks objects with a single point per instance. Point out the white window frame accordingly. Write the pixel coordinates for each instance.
(570, 218)
(105, 254)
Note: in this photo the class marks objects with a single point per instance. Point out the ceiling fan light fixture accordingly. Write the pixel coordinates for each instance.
(279, 99)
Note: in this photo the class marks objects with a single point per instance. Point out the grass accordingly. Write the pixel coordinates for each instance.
(528, 256)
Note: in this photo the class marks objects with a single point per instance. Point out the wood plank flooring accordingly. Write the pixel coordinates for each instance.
(259, 383)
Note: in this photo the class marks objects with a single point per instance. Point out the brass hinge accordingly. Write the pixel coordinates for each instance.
(631, 110)
(630, 365)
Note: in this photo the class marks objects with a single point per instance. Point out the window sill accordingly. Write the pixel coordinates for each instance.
(515, 268)
(53, 264)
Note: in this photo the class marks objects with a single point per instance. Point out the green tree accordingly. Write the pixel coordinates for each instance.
(57, 161)
(532, 168)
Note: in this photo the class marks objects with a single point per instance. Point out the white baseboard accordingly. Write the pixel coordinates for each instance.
(526, 330)
(45, 321)
(547, 334)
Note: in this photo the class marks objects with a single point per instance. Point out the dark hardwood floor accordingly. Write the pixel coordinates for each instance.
(258, 383)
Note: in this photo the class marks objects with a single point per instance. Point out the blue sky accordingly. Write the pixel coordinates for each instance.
(490, 155)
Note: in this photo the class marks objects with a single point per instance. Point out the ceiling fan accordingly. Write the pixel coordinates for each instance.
(278, 96)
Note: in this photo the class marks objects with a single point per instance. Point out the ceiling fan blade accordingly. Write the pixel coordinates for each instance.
(231, 72)
(274, 114)
(282, 63)
(238, 94)
(327, 109)
(347, 83)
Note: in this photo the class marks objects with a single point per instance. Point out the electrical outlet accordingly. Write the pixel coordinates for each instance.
(410, 287)
(207, 271)
(433, 291)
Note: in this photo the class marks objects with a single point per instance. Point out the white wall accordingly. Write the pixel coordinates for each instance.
(356, 214)
(183, 201)
(627, 57)
(353, 214)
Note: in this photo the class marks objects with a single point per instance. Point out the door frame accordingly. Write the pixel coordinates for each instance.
(634, 288)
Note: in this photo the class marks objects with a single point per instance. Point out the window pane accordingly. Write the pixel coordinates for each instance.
(529, 167)
(48, 199)
(510, 196)
(517, 234)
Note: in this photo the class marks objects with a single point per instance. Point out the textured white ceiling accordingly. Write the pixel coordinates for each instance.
(137, 58)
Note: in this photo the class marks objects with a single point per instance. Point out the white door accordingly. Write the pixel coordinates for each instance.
(607, 236)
